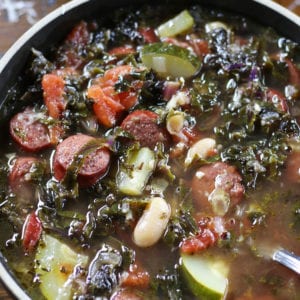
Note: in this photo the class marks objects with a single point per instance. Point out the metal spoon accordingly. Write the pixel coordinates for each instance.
(288, 259)
(276, 253)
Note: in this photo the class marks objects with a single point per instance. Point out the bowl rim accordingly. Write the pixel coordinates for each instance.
(6, 275)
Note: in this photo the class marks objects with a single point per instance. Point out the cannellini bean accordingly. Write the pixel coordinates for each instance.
(200, 150)
(152, 223)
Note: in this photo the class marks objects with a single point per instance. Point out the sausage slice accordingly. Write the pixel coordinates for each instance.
(217, 176)
(28, 131)
(142, 125)
(94, 165)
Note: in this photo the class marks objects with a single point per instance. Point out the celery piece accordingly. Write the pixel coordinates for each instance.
(134, 173)
(170, 60)
(177, 25)
(55, 262)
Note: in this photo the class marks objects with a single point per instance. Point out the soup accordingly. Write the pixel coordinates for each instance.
(154, 154)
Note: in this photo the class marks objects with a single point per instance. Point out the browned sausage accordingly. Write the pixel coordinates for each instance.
(94, 166)
(28, 131)
(142, 125)
(217, 175)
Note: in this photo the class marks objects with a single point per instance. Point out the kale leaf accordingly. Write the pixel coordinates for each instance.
(255, 135)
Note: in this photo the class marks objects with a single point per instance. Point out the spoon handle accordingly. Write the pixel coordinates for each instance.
(288, 259)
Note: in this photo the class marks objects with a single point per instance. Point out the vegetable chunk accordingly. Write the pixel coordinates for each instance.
(56, 262)
(170, 60)
(179, 24)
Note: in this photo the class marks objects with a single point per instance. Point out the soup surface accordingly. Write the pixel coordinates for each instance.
(154, 154)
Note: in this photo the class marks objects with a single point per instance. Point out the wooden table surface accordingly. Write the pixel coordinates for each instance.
(17, 16)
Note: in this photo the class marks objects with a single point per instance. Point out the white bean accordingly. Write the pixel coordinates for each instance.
(200, 150)
(152, 223)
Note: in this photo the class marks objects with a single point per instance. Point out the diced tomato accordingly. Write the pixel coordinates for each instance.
(136, 277)
(201, 241)
(277, 99)
(128, 99)
(200, 46)
(32, 231)
(122, 50)
(108, 103)
(79, 35)
(114, 73)
(149, 35)
(53, 87)
(105, 107)
(207, 236)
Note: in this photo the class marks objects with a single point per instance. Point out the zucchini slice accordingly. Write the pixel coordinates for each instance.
(135, 172)
(55, 262)
(170, 60)
(177, 25)
(206, 277)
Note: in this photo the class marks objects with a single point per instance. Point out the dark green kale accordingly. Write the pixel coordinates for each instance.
(205, 94)
(126, 29)
(152, 90)
(296, 217)
(168, 284)
(256, 217)
(232, 55)
(103, 271)
(255, 134)
(3, 181)
(180, 227)
(40, 65)
(78, 107)
(126, 82)
(128, 25)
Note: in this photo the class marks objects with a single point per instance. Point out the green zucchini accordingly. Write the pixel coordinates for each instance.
(170, 60)
(205, 276)
(55, 262)
(177, 25)
(135, 171)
